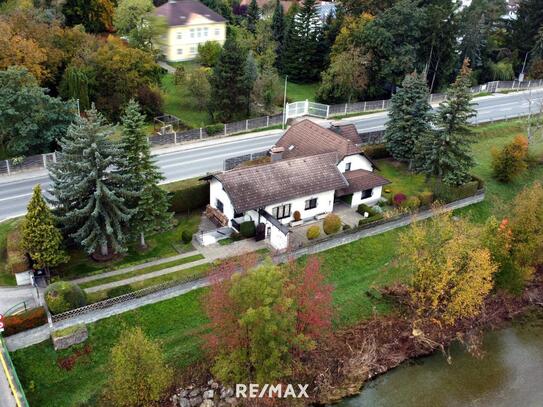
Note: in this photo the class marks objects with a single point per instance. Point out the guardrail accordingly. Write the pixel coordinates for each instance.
(11, 375)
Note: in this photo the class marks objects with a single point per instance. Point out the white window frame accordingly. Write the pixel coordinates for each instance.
(179, 51)
(179, 35)
(308, 206)
(192, 33)
(280, 212)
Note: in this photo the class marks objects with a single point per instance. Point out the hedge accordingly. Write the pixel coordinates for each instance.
(214, 129)
(186, 236)
(64, 296)
(24, 321)
(365, 208)
(448, 193)
(17, 260)
(376, 151)
(189, 198)
(247, 229)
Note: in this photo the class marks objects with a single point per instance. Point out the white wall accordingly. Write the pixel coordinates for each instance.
(368, 201)
(277, 239)
(325, 204)
(182, 41)
(217, 192)
(358, 162)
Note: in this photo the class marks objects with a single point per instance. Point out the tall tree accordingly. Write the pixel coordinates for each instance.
(228, 88)
(410, 116)
(94, 15)
(253, 15)
(302, 57)
(151, 204)
(40, 237)
(31, 121)
(76, 87)
(250, 74)
(446, 152)
(278, 23)
(529, 19)
(89, 190)
(135, 354)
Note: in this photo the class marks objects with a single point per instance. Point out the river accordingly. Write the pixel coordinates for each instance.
(509, 375)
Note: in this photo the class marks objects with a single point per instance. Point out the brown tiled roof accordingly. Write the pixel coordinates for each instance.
(349, 132)
(307, 138)
(257, 187)
(359, 180)
(181, 12)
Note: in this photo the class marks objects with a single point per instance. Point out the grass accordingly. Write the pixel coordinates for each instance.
(402, 180)
(6, 278)
(160, 246)
(143, 271)
(297, 92)
(354, 269)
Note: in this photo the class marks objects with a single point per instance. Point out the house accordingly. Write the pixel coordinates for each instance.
(190, 23)
(311, 168)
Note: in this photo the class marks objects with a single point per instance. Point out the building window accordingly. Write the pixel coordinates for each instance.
(198, 32)
(220, 206)
(193, 50)
(311, 203)
(281, 212)
(367, 193)
(179, 51)
(217, 32)
(192, 33)
(179, 35)
(206, 31)
(347, 167)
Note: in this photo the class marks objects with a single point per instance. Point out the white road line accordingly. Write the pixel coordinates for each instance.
(15, 197)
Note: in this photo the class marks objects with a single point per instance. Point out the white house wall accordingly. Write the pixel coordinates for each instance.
(217, 192)
(358, 162)
(325, 204)
(277, 239)
(182, 41)
(372, 200)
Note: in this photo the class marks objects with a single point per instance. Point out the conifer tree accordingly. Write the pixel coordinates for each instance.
(42, 240)
(446, 152)
(253, 15)
(151, 202)
(302, 57)
(228, 88)
(278, 30)
(89, 189)
(410, 116)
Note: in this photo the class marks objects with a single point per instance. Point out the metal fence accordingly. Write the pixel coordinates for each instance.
(11, 375)
(233, 162)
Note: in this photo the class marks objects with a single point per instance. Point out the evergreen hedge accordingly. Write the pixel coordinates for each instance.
(189, 198)
(63, 296)
(247, 229)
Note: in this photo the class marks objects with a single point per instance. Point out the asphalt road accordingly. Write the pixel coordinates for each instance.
(200, 158)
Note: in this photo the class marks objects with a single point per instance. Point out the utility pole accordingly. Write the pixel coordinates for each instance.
(285, 103)
(521, 75)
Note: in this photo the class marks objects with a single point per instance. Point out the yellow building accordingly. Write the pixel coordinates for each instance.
(190, 23)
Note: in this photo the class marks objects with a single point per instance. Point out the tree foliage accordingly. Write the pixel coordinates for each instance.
(138, 374)
(94, 15)
(510, 162)
(208, 53)
(252, 16)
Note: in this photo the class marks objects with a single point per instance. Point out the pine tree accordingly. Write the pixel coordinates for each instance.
(250, 75)
(253, 15)
(302, 57)
(446, 152)
(278, 30)
(41, 238)
(89, 189)
(228, 89)
(151, 204)
(410, 116)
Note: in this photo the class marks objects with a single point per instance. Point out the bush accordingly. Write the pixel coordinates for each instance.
(150, 101)
(449, 193)
(346, 227)
(214, 129)
(208, 53)
(365, 221)
(235, 236)
(186, 236)
(365, 208)
(426, 198)
(296, 215)
(26, 320)
(118, 291)
(480, 181)
(313, 232)
(63, 296)
(376, 151)
(331, 224)
(399, 199)
(247, 229)
(411, 203)
(190, 198)
(509, 162)
(17, 260)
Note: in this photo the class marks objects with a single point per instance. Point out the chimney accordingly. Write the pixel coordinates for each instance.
(276, 154)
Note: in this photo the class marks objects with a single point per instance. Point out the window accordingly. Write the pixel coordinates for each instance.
(367, 193)
(198, 32)
(281, 212)
(193, 50)
(179, 51)
(311, 203)
(347, 167)
(206, 30)
(220, 206)
(217, 32)
(192, 33)
(179, 35)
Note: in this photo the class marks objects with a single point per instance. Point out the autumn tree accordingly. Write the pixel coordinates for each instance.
(137, 371)
(41, 239)
(197, 83)
(452, 272)
(94, 15)
(510, 162)
(497, 236)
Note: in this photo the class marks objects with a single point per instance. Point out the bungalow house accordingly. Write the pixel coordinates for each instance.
(190, 23)
(311, 167)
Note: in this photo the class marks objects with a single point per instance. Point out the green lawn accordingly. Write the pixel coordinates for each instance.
(297, 92)
(160, 245)
(354, 269)
(5, 227)
(401, 179)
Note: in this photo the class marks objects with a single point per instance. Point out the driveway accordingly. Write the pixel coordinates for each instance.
(10, 296)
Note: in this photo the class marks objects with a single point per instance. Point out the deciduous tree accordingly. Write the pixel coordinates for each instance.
(510, 162)
(94, 15)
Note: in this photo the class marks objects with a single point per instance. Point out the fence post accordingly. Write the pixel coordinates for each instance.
(431, 95)
(44, 160)
(54, 156)
(383, 104)
(247, 125)
(364, 109)
(148, 141)
(175, 137)
(306, 107)
(327, 111)
(7, 166)
(225, 129)
(345, 108)
(201, 134)
(267, 121)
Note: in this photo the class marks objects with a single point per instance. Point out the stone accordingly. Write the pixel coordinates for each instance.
(231, 401)
(184, 402)
(196, 401)
(207, 403)
(64, 338)
(214, 385)
(194, 392)
(227, 392)
(183, 393)
(208, 394)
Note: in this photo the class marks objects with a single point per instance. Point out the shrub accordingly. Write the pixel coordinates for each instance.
(150, 101)
(426, 198)
(214, 129)
(186, 236)
(235, 236)
(26, 320)
(208, 53)
(247, 229)
(376, 151)
(399, 199)
(365, 221)
(331, 224)
(297, 216)
(411, 203)
(118, 291)
(63, 296)
(190, 198)
(365, 208)
(448, 193)
(509, 162)
(313, 232)
(17, 261)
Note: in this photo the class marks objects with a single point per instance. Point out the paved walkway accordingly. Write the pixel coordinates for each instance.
(134, 268)
(10, 296)
(166, 66)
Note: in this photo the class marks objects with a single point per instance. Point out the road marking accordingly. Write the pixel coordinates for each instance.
(15, 197)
